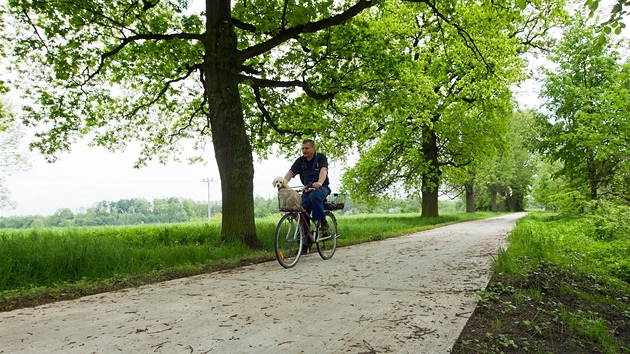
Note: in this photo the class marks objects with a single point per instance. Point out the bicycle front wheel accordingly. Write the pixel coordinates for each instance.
(327, 244)
(288, 240)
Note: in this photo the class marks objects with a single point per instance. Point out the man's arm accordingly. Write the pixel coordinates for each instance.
(289, 176)
(323, 172)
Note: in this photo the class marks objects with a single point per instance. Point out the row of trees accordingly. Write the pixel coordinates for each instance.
(421, 88)
(122, 212)
(173, 210)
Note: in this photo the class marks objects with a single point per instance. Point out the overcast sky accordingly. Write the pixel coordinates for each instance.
(91, 174)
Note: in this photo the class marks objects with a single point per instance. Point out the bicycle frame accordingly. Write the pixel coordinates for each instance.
(290, 240)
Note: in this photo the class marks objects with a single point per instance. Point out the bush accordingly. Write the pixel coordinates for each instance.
(611, 221)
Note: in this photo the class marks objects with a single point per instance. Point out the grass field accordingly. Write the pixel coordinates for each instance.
(42, 265)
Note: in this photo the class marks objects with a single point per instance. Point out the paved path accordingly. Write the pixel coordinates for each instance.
(410, 294)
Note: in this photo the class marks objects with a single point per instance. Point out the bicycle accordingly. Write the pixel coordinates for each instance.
(293, 233)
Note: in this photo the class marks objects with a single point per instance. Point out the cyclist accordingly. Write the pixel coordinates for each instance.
(313, 170)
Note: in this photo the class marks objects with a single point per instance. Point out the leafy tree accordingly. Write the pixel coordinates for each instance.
(154, 72)
(262, 208)
(62, 217)
(448, 103)
(586, 129)
(547, 183)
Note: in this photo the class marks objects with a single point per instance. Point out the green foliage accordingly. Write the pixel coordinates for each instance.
(447, 102)
(611, 222)
(586, 130)
(618, 12)
(121, 212)
(590, 326)
(501, 176)
(559, 285)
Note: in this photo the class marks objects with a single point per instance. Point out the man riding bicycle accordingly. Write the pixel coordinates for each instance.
(313, 170)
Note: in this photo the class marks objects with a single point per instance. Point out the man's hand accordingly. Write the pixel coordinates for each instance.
(316, 185)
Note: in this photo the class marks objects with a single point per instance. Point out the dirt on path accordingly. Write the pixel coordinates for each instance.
(410, 294)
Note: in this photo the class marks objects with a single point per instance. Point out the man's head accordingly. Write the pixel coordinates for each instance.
(308, 149)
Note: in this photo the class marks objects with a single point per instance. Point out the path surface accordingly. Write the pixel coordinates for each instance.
(411, 294)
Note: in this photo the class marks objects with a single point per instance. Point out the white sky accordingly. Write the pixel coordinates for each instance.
(91, 174)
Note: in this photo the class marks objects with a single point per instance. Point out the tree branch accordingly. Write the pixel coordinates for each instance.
(309, 27)
(244, 26)
(140, 37)
(265, 114)
(162, 92)
(295, 83)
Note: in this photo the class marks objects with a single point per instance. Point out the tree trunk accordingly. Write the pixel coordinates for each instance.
(225, 113)
(518, 202)
(592, 175)
(470, 198)
(493, 198)
(502, 201)
(429, 197)
(431, 178)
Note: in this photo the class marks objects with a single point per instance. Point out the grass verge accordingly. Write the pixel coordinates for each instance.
(39, 266)
(558, 288)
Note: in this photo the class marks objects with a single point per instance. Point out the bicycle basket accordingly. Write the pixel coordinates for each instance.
(289, 200)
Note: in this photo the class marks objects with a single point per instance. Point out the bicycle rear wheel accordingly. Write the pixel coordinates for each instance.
(288, 241)
(327, 244)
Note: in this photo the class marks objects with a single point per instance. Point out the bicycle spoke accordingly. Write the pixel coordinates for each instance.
(327, 243)
(288, 243)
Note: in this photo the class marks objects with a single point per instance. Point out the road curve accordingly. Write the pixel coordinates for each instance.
(410, 294)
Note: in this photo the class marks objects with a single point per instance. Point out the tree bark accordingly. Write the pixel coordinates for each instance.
(431, 178)
(493, 198)
(225, 113)
(470, 198)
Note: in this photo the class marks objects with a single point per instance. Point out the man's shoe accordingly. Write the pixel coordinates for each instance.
(323, 225)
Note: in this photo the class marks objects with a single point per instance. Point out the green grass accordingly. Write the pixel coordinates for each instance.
(570, 243)
(569, 285)
(53, 260)
(591, 327)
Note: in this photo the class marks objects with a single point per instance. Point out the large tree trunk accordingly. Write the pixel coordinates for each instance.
(429, 196)
(231, 144)
(430, 179)
(470, 198)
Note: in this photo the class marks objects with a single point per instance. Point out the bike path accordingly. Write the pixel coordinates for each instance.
(410, 294)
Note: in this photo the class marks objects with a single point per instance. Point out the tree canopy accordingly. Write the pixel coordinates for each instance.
(585, 125)
(451, 105)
